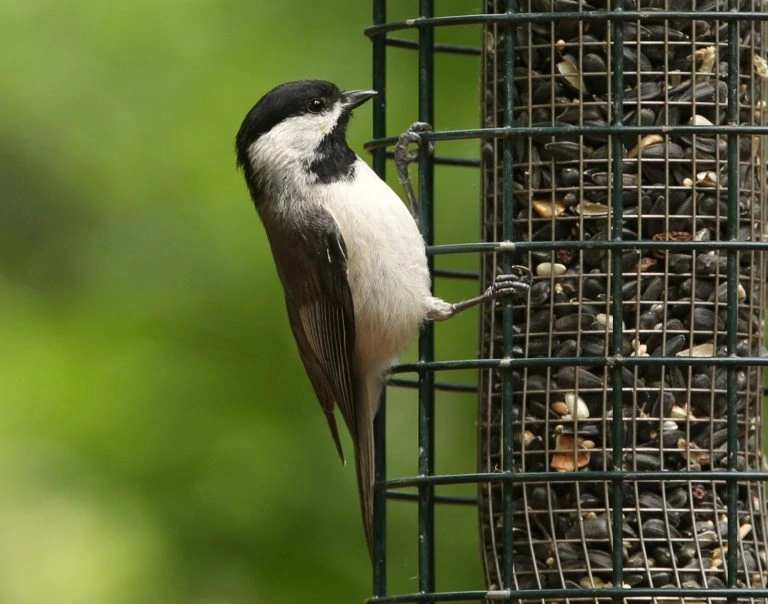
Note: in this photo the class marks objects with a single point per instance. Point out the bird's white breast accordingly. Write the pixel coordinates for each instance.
(387, 263)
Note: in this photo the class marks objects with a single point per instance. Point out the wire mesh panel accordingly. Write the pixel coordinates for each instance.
(619, 429)
(634, 185)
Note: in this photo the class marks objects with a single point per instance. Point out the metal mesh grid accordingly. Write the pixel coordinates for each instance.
(610, 136)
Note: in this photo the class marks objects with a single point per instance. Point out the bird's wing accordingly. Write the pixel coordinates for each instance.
(321, 314)
(312, 264)
(323, 325)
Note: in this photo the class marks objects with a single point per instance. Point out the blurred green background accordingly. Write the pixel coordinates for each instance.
(159, 441)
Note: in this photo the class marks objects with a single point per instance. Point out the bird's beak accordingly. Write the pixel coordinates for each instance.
(355, 98)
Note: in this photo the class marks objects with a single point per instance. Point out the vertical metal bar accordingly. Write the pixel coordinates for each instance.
(732, 270)
(380, 423)
(617, 205)
(380, 502)
(379, 84)
(427, 339)
(507, 315)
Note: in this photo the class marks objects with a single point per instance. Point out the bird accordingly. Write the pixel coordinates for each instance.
(348, 252)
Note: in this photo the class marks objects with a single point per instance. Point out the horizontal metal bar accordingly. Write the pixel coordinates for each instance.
(559, 16)
(595, 244)
(472, 388)
(503, 132)
(452, 49)
(607, 361)
(461, 248)
(459, 364)
(574, 477)
(443, 596)
(558, 594)
(443, 386)
(454, 387)
(444, 499)
(443, 160)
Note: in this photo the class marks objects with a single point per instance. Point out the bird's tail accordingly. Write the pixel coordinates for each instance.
(364, 459)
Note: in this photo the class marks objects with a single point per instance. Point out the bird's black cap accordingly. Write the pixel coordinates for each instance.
(333, 160)
(283, 101)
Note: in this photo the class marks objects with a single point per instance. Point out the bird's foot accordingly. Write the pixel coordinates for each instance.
(516, 283)
(404, 157)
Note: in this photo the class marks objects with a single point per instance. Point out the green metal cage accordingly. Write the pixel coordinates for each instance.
(620, 451)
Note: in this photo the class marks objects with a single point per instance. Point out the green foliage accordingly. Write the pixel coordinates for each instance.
(159, 441)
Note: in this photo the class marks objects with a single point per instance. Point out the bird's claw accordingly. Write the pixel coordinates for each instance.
(516, 283)
(412, 135)
(404, 157)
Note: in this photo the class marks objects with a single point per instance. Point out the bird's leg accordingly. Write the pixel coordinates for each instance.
(403, 158)
(516, 284)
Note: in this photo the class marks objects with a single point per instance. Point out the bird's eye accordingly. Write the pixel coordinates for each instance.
(316, 105)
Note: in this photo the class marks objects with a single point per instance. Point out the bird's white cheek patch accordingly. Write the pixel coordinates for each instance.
(297, 137)
(330, 118)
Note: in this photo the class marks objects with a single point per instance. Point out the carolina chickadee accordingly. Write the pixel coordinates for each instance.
(349, 255)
